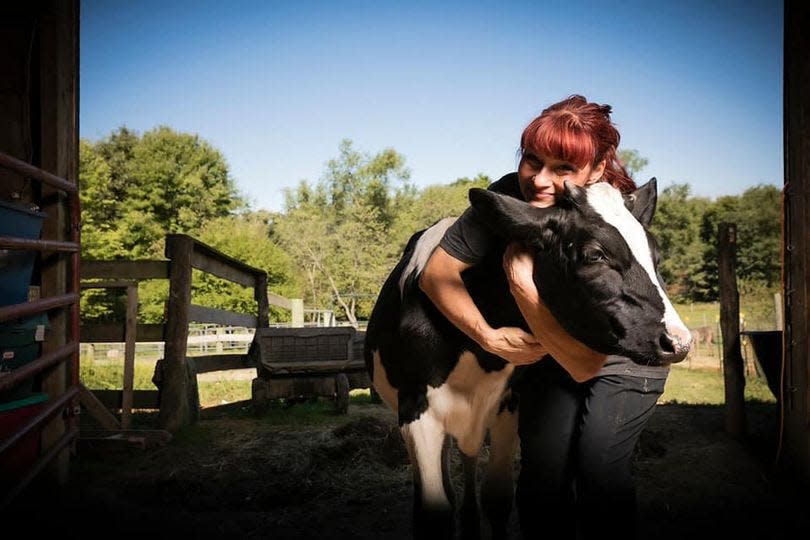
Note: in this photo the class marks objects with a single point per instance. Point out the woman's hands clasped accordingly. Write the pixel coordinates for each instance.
(510, 343)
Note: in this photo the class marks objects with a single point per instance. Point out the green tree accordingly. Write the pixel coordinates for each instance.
(632, 161)
(135, 190)
(339, 230)
(676, 227)
(757, 215)
(432, 204)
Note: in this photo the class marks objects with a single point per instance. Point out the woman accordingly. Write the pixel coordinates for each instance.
(581, 413)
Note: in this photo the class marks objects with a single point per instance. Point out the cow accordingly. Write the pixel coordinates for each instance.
(595, 268)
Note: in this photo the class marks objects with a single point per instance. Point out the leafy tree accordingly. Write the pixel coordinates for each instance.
(338, 230)
(677, 229)
(757, 215)
(135, 190)
(434, 203)
(632, 161)
(759, 229)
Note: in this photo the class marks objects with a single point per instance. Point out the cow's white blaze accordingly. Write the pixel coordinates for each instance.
(424, 249)
(609, 204)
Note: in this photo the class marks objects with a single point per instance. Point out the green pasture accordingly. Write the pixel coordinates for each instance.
(684, 385)
(698, 380)
(756, 313)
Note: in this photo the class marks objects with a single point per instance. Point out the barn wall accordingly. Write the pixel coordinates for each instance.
(39, 100)
(796, 443)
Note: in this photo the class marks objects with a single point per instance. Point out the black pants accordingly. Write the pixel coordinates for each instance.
(576, 448)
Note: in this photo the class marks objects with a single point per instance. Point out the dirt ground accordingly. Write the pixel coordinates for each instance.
(235, 475)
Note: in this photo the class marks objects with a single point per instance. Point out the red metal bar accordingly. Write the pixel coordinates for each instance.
(53, 407)
(7, 380)
(8, 313)
(31, 244)
(75, 288)
(26, 169)
(40, 464)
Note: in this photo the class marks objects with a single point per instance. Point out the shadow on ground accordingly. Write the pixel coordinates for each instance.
(326, 476)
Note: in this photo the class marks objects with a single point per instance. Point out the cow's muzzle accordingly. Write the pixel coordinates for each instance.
(672, 347)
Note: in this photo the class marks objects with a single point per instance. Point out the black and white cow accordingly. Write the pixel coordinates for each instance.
(595, 269)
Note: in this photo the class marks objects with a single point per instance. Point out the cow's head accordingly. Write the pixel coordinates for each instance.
(595, 267)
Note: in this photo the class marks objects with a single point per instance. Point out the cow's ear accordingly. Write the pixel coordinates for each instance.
(642, 202)
(507, 216)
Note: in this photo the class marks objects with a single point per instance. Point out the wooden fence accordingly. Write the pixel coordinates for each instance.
(175, 374)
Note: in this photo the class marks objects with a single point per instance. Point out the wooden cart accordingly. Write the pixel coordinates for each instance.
(307, 362)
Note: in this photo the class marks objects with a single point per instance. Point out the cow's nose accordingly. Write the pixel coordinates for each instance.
(672, 348)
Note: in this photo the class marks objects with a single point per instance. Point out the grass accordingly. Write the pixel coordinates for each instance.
(706, 387)
(684, 385)
(756, 312)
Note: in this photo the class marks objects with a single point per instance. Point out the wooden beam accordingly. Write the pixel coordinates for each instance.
(796, 262)
(175, 404)
(222, 362)
(56, 150)
(262, 301)
(214, 262)
(141, 399)
(222, 269)
(119, 284)
(278, 300)
(97, 408)
(144, 438)
(137, 270)
(220, 316)
(733, 365)
(116, 333)
(129, 356)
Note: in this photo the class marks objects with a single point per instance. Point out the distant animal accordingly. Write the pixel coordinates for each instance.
(702, 334)
(595, 270)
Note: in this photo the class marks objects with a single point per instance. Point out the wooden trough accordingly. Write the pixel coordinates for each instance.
(767, 347)
(307, 362)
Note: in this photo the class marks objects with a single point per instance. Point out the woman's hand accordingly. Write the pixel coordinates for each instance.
(514, 345)
(518, 263)
(441, 281)
(576, 358)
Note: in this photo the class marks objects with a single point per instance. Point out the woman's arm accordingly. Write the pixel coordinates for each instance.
(441, 281)
(579, 360)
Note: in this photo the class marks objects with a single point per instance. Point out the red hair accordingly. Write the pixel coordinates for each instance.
(580, 133)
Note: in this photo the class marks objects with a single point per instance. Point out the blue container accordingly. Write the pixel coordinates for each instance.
(16, 266)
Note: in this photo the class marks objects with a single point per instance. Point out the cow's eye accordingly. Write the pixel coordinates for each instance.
(595, 257)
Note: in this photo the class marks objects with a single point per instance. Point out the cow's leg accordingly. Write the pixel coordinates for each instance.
(497, 491)
(470, 520)
(427, 446)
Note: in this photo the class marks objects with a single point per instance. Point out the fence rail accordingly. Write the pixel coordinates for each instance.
(56, 425)
(179, 340)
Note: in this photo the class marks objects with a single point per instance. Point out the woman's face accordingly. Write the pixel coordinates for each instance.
(542, 177)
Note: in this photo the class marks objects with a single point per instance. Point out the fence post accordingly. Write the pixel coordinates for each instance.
(777, 311)
(262, 301)
(129, 356)
(174, 394)
(733, 368)
(297, 308)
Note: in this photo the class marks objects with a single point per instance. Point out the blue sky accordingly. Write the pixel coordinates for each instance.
(695, 85)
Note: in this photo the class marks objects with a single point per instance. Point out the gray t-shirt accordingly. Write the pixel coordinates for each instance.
(469, 240)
